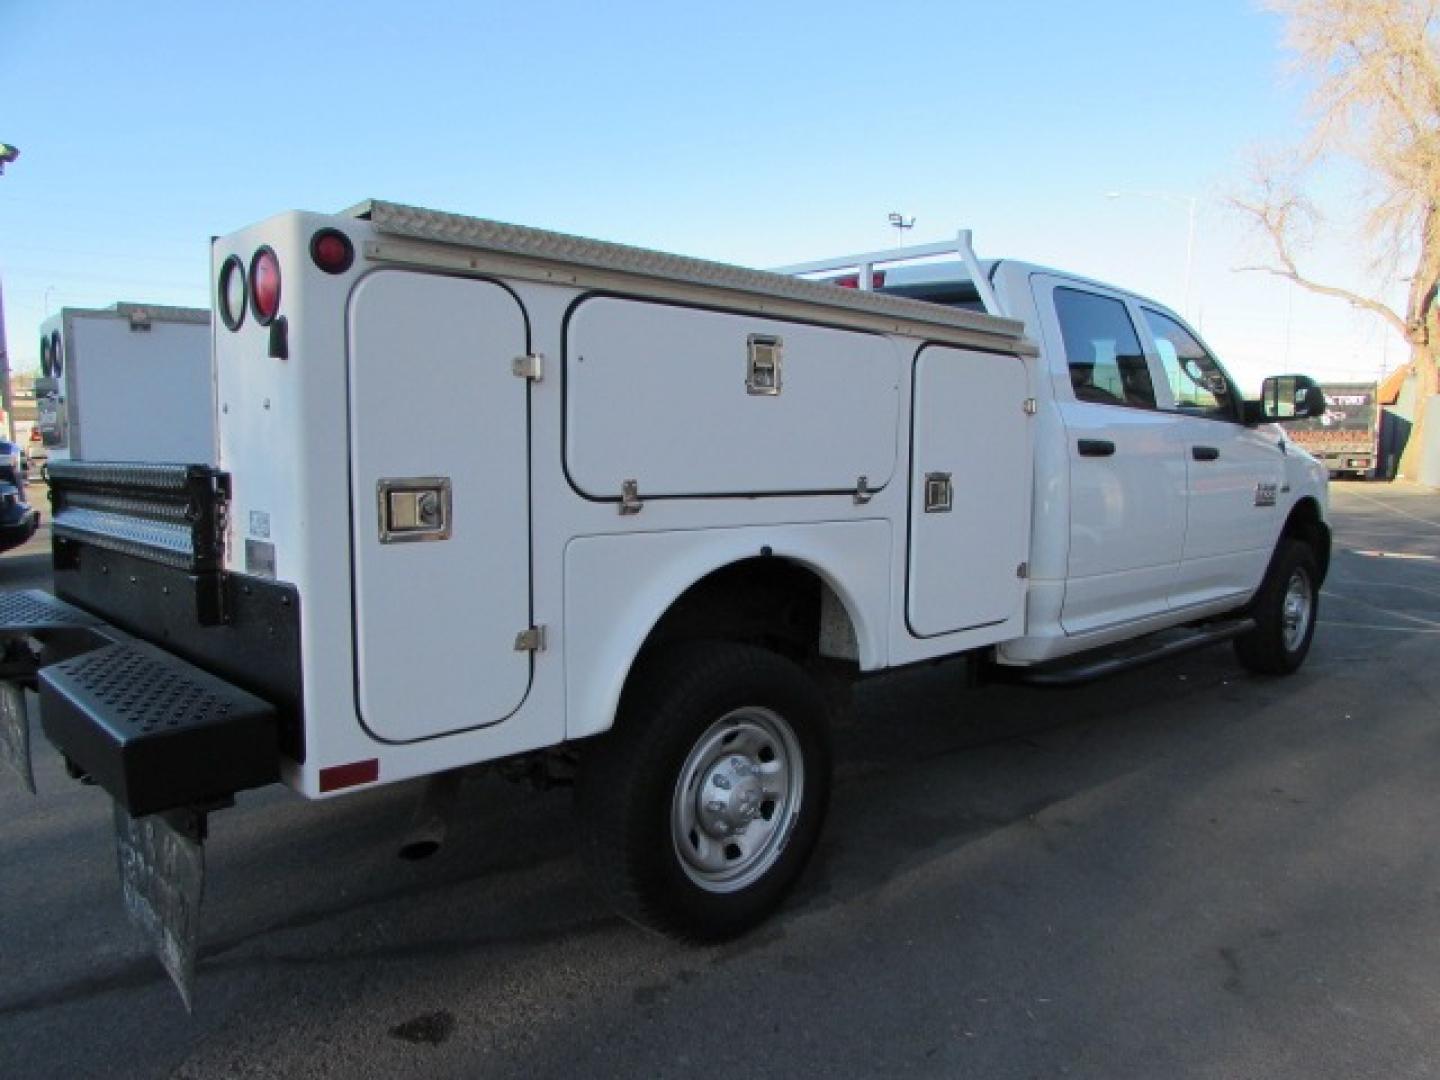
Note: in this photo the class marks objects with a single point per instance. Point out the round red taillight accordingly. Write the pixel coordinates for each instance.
(265, 285)
(332, 251)
(231, 293)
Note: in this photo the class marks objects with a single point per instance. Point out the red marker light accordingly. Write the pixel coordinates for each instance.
(332, 251)
(265, 285)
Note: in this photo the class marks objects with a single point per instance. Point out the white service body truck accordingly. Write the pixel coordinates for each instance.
(131, 382)
(649, 498)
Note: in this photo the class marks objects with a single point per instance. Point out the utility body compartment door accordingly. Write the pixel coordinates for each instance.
(969, 490)
(440, 592)
(696, 403)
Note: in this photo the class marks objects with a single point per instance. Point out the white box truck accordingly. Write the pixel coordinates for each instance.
(641, 502)
(131, 382)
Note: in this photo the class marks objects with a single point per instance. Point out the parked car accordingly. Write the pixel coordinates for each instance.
(37, 454)
(18, 520)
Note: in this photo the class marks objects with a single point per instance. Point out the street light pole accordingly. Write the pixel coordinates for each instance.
(8, 154)
(901, 223)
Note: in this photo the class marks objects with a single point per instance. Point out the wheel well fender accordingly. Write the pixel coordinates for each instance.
(1306, 524)
(628, 593)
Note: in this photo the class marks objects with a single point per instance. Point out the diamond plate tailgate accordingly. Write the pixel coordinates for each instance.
(155, 732)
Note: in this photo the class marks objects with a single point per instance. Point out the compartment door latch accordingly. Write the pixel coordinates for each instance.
(414, 508)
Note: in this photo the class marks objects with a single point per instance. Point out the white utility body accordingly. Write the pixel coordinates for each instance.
(131, 382)
(490, 494)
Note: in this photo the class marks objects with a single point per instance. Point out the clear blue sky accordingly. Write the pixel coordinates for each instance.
(753, 133)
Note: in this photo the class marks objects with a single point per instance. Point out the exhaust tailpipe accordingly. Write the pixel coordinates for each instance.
(431, 820)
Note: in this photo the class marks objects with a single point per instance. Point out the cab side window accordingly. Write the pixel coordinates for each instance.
(1199, 383)
(1106, 362)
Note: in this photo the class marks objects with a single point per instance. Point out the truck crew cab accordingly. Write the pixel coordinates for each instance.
(650, 497)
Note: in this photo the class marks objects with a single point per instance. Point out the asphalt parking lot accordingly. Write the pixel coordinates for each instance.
(1181, 872)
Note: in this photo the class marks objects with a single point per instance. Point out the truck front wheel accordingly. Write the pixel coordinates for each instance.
(1284, 611)
(701, 808)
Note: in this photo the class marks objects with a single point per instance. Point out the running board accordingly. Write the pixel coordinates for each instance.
(1094, 665)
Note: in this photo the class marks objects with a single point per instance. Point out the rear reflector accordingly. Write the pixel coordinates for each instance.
(342, 776)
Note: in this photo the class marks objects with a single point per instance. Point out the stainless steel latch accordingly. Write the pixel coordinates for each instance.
(939, 493)
(763, 369)
(414, 508)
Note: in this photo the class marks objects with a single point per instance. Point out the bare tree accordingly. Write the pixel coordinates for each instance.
(1377, 108)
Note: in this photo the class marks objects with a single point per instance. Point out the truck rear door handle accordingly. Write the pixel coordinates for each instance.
(1204, 453)
(1096, 448)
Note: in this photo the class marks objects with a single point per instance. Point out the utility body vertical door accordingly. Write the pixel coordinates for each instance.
(969, 490)
(440, 496)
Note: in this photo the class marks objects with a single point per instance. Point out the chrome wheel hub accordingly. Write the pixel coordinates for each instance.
(1296, 610)
(736, 799)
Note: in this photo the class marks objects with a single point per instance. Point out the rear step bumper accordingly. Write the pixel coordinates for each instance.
(157, 733)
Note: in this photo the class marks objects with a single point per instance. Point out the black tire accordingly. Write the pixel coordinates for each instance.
(736, 707)
(1284, 610)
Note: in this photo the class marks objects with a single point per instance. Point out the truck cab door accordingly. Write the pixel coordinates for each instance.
(1234, 473)
(1126, 480)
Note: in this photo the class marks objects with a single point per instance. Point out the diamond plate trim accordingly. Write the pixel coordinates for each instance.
(127, 474)
(395, 219)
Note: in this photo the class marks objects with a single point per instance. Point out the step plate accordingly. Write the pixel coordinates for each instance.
(155, 732)
(32, 610)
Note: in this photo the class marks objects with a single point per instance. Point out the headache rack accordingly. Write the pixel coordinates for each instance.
(865, 262)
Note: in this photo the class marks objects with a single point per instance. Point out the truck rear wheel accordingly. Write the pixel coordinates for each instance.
(1284, 611)
(701, 809)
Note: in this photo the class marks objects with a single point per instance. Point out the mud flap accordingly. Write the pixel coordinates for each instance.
(162, 877)
(15, 733)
